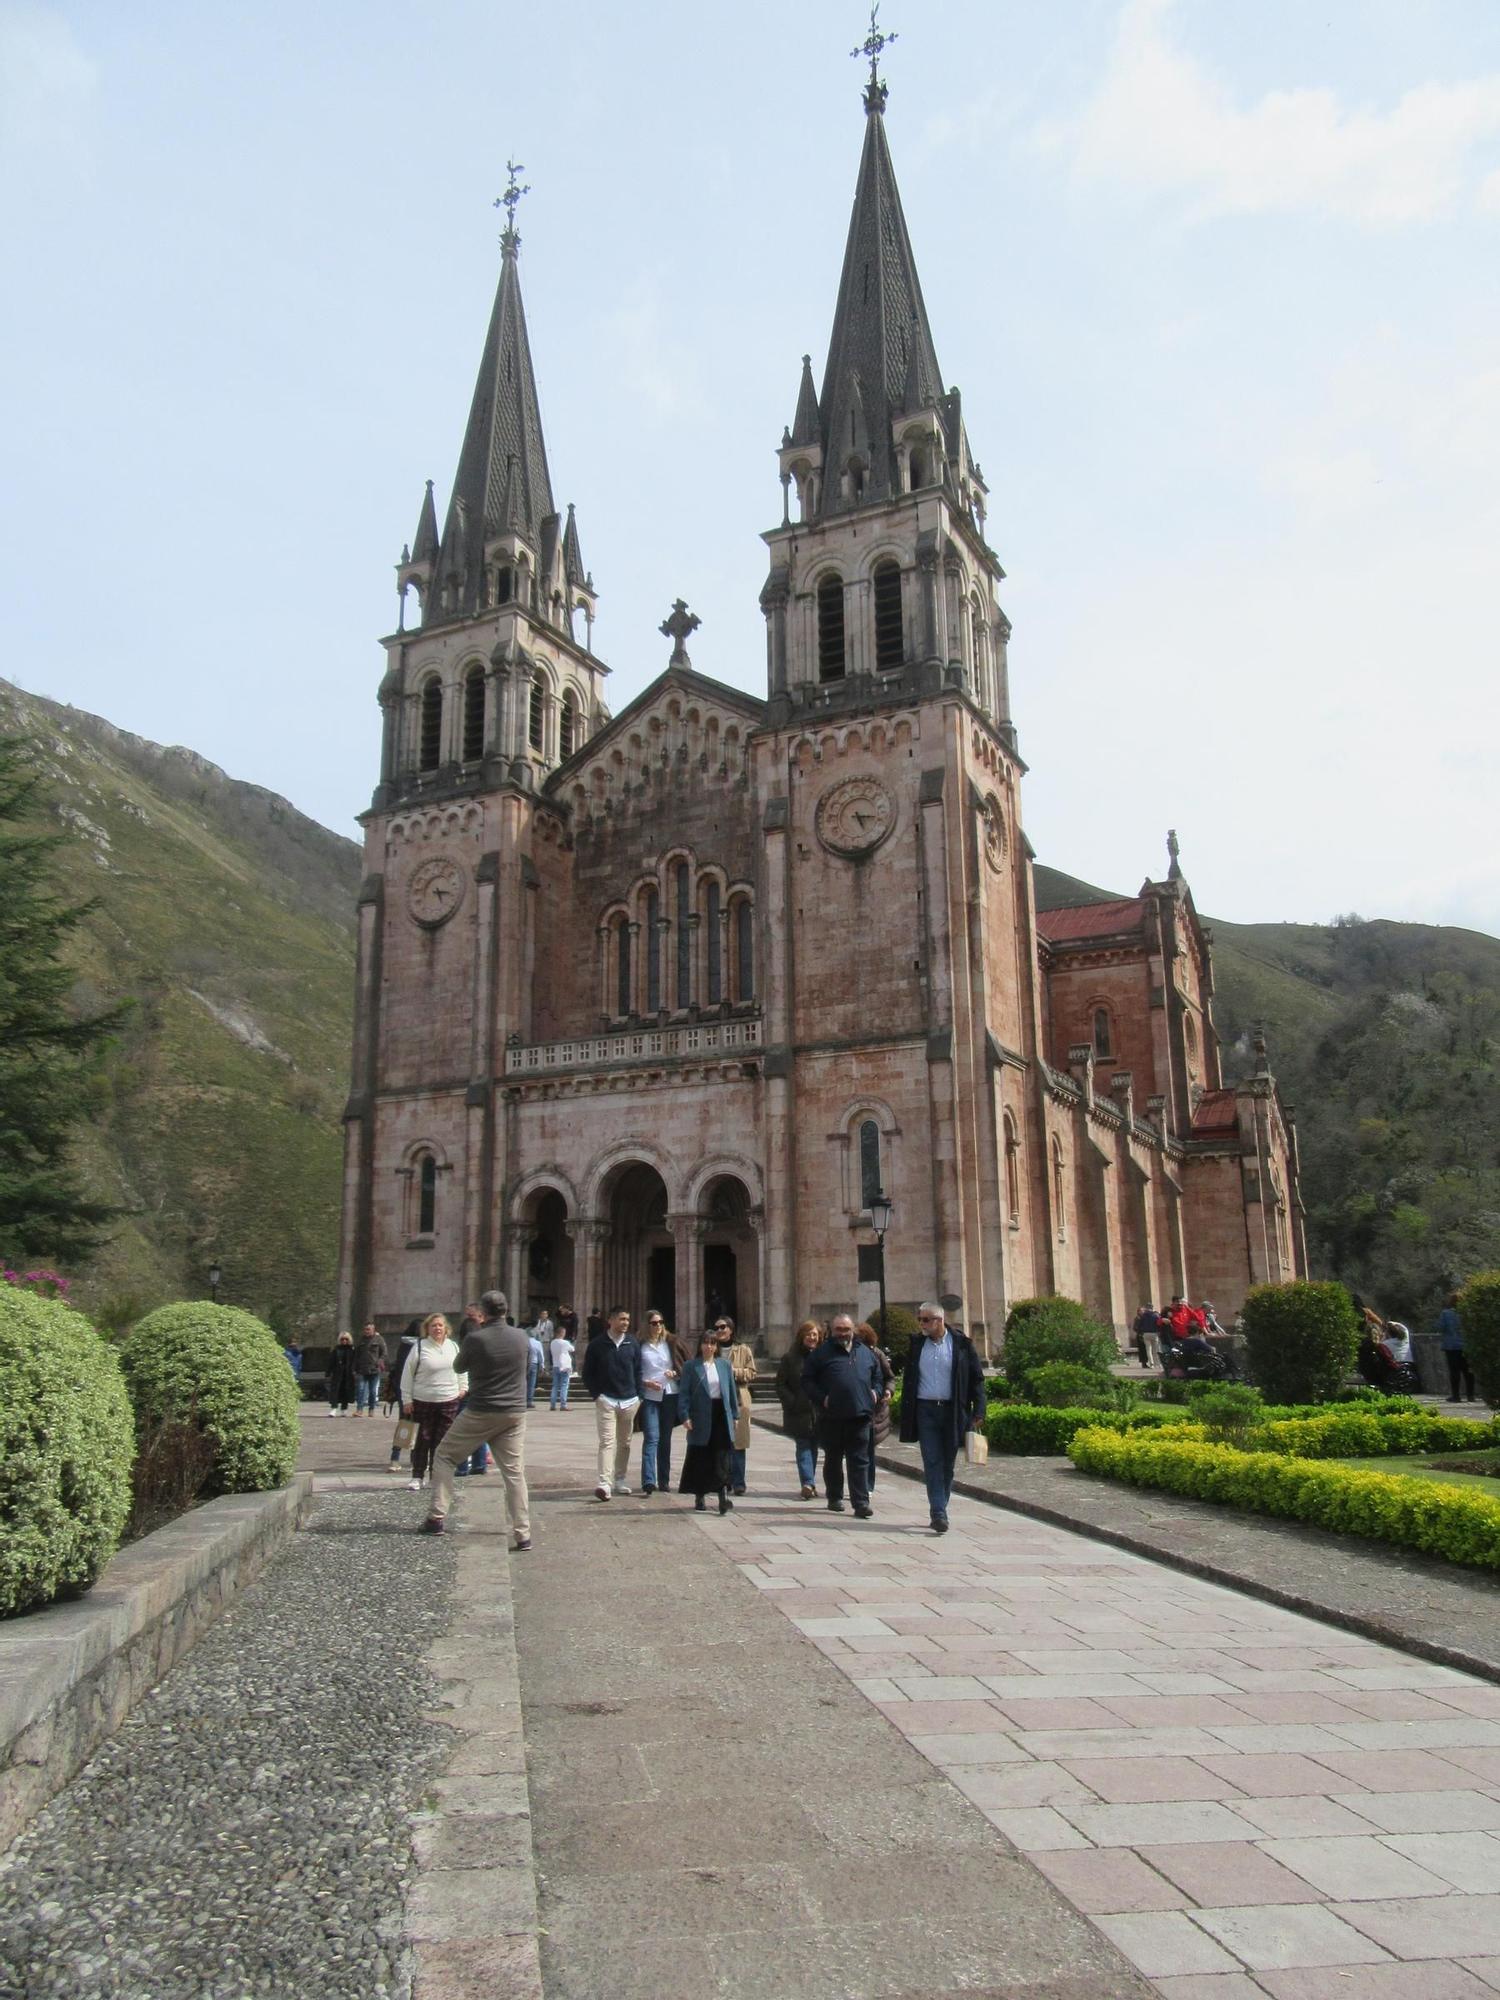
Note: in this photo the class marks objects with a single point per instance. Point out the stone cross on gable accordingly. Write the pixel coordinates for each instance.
(679, 627)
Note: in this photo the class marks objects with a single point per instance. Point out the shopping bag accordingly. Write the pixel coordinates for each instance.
(977, 1448)
(405, 1434)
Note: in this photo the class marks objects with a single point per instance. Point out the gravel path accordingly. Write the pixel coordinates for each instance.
(246, 1831)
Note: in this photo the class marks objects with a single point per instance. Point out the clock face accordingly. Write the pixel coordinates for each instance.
(855, 816)
(994, 833)
(435, 891)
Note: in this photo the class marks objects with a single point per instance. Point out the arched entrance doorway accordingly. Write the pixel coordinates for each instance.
(730, 1252)
(639, 1260)
(546, 1262)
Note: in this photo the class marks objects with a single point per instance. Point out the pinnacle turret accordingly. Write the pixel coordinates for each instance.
(424, 549)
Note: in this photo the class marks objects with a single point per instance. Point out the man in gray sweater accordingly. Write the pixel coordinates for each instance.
(493, 1355)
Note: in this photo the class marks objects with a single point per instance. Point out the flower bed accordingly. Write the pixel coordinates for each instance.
(1440, 1520)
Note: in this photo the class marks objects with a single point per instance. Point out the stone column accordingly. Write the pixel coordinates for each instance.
(775, 1344)
(517, 1236)
(605, 997)
(589, 1235)
(930, 636)
(687, 1239)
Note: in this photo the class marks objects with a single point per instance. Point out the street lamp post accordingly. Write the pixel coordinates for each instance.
(880, 1222)
(215, 1279)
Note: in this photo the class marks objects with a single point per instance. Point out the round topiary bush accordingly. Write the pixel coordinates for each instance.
(896, 1328)
(1300, 1340)
(1055, 1329)
(1479, 1316)
(66, 1442)
(222, 1371)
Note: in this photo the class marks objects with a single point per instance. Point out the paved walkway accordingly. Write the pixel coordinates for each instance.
(1242, 1799)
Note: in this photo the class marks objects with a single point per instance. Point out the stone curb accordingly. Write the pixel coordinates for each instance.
(70, 1674)
(471, 1917)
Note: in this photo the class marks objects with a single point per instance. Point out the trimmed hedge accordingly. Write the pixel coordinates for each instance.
(1301, 1340)
(1354, 1434)
(66, 1443)
(223, 1371)
(1479, 1316)
(1030, 1431)
(1440, 1520)
(897, 1328)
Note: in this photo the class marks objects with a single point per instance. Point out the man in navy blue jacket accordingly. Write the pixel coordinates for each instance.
(942, 1399)
(612, 1376)
(842, 1379)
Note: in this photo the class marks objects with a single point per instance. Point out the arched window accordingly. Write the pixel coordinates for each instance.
(869, 1162)
(889, 646)
(684, 936)
(430, 740)
(536, 717)
(411, 595)
(744, 949)
(1012, 1170)
(918, 468)
(831, 629)
(855, 478)
(622, 966)
(1102, 1048)
(473, 715)
(715, 946)
(426, 1195)
(567, 729)
(653, 951)
(1058, 1201)
(505, 584)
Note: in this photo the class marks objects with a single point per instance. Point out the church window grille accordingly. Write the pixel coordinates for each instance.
(473, 715)
(653, 951)
(744, 948)
(622, 967)
(715, 948)
(1012, 1170)
(1101, 1032)
(567, 728)
(869, 1162)
(427, 1195)
(888, 640)
(430, 737)
(536, 718)
(684, 937)
(505, 584)
(1057, 1191)
(831, 629)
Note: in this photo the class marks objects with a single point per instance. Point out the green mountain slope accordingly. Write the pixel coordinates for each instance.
(226, 916)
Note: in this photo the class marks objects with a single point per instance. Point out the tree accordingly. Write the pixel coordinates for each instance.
(49, 1056)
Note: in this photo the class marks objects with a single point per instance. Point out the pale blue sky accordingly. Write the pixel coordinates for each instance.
(1220, 284)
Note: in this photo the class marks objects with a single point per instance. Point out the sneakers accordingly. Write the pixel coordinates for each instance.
(333, 1413)
(433, 1525)
(413, 1485)
(622, 1491)
(521, 1545)
(601, 1491)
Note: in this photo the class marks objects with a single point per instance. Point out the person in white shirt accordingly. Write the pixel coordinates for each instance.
(612, 1376)
(536, 1354)
(658, 1405)
(562, 1370)
(431, 1392)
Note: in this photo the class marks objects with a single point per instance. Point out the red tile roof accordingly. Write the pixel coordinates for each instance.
(1215, 1112)
(1085, 920)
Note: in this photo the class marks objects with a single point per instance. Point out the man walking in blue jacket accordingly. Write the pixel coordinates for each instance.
(843, 1381)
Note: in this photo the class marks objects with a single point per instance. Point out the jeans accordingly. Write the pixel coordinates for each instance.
(367, 1393)
(561, 1380)
(846, 1439)
(505, 1434)
(807, 1461)
(736, 1468)
(939, 1453)
(1458, 1364)
(533, 1369)
(658, 1421)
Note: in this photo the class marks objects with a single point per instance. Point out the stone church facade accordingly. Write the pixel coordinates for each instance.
(650, 1005)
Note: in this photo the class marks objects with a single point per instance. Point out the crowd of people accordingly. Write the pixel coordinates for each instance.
(1178, 1338)
(464, 1401)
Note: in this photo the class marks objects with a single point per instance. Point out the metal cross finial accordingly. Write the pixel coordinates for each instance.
(872, 47)
(510, 201)
(679, 628)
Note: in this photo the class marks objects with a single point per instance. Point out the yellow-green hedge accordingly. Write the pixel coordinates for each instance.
(1439, 1519)
(1356, 1435)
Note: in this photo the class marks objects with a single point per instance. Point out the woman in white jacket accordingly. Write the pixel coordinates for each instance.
(431, 1392)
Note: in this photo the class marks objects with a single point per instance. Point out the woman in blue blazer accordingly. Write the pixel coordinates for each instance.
(710, 1405)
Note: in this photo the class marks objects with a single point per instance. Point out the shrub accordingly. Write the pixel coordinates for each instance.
(896, 1327)
(1440, 1520)
(1064, 1385)
(174, 1461)
(1054, 1329)
(1301, 1339)
(1344, 1433)
(1228, 1412)
(66, 1441)
(224, 1372)
(1027, 1431)
(1479, 1315)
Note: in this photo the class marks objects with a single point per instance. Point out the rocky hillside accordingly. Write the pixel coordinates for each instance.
(226, 917)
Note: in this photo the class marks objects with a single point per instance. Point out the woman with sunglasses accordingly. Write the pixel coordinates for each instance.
(741, 1358)
(658, 1404)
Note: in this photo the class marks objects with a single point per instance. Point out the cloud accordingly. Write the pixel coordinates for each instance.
(47, 86)
(1162, 122)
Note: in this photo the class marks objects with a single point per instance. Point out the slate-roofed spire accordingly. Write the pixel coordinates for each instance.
(503, 484)
(425, 547)
(573, 569)
(805, 429)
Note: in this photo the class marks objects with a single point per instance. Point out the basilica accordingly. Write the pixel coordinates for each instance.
(818, 974)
